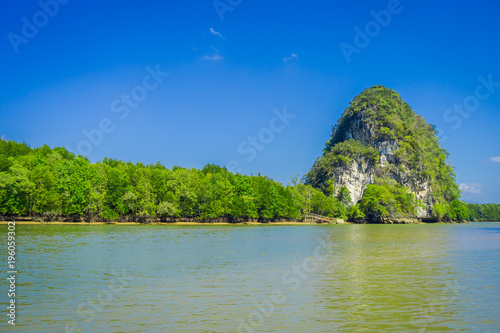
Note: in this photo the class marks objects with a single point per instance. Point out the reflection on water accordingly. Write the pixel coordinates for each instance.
(391, 279)
(374, 278)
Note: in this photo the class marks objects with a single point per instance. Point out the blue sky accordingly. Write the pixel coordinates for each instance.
(253, 85)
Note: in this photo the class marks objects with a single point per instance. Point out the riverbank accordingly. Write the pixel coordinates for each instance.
(165, 223)
(182, 222)
(216, 223)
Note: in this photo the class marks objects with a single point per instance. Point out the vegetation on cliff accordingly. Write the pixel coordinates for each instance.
(340, 155)
(378, 117)
(387, 198)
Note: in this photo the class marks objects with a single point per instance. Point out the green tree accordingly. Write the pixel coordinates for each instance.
(243, 204)
(344, 196)
(439, 211)
(15, 191)
(375, 201)
(458, 210)
(167, 209)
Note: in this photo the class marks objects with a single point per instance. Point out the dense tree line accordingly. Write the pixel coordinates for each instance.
(55, 184)
(484, 212)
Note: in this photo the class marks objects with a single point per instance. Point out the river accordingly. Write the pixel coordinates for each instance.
(311, 278)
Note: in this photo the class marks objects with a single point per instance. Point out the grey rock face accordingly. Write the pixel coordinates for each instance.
(362, 172)
(356, 177)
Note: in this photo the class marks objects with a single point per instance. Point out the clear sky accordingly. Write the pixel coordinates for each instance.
(253, 85)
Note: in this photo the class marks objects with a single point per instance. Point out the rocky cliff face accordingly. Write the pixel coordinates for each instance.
(380, 137)
(361, 172)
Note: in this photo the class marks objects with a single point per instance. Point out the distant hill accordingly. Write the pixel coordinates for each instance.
(474, 202)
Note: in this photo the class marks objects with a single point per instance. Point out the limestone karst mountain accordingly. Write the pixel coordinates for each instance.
(379, 140)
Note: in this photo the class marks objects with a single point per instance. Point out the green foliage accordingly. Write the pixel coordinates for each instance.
(375, 201)
(344, 196)
(243, 205)
(439, 211)
(354, 213)
(387, 198)
(15, 190)
(484, 212)
(53, 182)
(458, 210)
(167, 209)
(353, 149)
(381, 107)
(339, 156)
(327, 206)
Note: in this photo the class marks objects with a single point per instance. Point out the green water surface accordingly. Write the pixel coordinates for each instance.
(311, 278)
